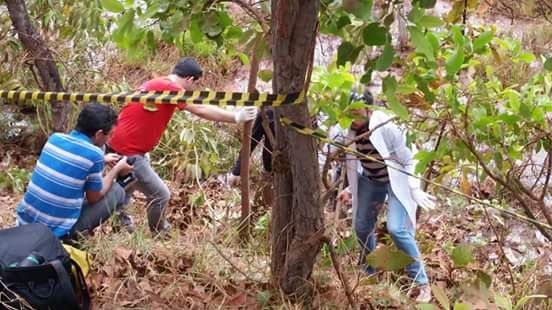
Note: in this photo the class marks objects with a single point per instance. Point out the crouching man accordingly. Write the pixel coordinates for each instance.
(67, 192)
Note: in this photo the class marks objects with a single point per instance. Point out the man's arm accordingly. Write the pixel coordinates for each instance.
(396, 143)
(94, 196)
(217, 114)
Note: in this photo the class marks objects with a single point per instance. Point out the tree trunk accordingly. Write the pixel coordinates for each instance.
(245, 154)
(42, 58)
(403, 11)
(297, 223)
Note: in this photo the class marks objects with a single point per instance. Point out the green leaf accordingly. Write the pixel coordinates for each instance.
(388, 259)
(345, 122)
(366, 77)
(112, 6)
(210, 25)
(421, 43)
(415, 14)
(457, 36)
(503, 302)
(356, 105)
(462, 306)
(429, 21)
(244, 58)
(525, 110)
(462, 255)
(424, 158)
(426, 4)
(441, 296)
(426, 307)
(389, 84)
(265, 75)
(482, 275)
(374, 34)
(150, 40)
(386, 57)
(548, 64)
(454, 63)
(526, 299)
(195, 31)
(482, 40)
(345, 52)
(361, 9)
(335, 79)
(526, 57)
(263, 298)
(388, 20)
(397, 108)
(456, 12)
(343, 21)
(234, 33)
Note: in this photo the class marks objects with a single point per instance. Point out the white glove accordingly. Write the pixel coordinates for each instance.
(423, 199)
(233, 180)
(245, 114)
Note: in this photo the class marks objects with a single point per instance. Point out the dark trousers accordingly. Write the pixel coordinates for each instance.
(257, 134)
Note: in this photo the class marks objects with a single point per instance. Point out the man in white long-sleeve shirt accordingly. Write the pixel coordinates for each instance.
(374, 180)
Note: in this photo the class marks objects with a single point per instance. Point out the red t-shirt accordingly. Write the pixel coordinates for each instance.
(138, 130)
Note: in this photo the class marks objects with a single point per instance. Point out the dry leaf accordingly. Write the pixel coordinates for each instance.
(122, 253)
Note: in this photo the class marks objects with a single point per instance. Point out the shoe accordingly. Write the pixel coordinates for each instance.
(163, 232)
(425, 294)
(368, 270)
(126, 221)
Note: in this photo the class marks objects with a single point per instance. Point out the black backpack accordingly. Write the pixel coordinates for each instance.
(35, 266)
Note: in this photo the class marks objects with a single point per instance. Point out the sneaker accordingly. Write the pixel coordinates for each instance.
(425, 294)
(163, 232)
(126, 221)
(368, 270)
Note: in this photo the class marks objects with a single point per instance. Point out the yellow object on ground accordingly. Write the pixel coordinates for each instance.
(82, 258)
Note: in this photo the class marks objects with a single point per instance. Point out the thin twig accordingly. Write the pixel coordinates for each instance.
(501, 247)
(341, 277)
(231, 263)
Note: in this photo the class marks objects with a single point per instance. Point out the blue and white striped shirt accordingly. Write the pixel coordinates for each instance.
(68, 166)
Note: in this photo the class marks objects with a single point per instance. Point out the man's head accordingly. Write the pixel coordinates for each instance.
(96, 121)
(186, 71)
(362, 114)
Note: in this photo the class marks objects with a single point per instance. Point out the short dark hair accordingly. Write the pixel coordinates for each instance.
(188, 67)
(366, 97)
(94, 117)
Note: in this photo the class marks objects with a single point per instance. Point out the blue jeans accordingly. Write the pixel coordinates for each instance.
(371, 197)
(154, 188)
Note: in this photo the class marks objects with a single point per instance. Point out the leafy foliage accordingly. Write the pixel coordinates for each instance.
(192, 150)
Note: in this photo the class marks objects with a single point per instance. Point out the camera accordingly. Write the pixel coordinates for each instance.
(126, 180)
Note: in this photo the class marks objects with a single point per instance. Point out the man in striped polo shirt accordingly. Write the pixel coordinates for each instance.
(67, 192)
(381, 177)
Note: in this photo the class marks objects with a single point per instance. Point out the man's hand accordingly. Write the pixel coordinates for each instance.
(245, 114)
(233, 180)
(111, 159)
(344, 197)
(423, 199)
(122, 168)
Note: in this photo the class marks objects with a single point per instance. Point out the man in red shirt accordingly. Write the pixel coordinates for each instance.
(139, 130)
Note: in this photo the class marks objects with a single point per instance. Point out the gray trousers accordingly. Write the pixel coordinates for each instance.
(156, 191)
(92, 215)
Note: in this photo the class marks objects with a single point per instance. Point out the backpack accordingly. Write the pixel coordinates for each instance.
(35, 267)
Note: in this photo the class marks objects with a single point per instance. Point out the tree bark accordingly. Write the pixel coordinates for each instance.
(42, 58)
(297, 223)
(245, 154)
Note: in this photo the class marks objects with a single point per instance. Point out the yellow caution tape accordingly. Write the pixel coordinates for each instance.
(159, 97)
